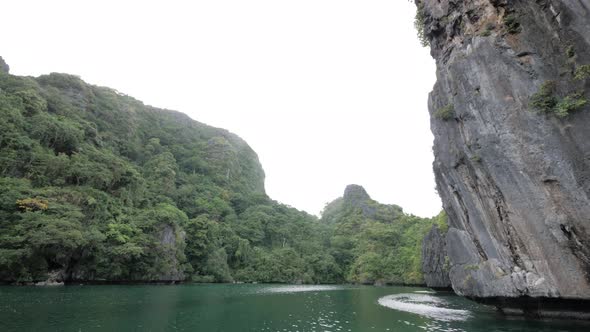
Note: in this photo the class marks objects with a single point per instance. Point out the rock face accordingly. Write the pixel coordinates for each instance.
(514, 182)
(172, 243)
(435, 260)
(356, 196)
(3, 66)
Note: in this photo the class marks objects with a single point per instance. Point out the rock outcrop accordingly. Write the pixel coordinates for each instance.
(356, 196)
(172, 244)
(434, 259)
(510, 117)
(4, 68)
(356, 200)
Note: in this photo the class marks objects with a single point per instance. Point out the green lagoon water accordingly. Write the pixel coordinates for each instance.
(211, 308)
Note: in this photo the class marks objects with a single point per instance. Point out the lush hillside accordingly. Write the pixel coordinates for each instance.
(376, 243)
(97, 186)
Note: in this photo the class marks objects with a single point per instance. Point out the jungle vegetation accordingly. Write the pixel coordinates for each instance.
(97, 186)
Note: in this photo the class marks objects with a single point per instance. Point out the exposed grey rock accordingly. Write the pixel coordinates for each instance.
(356, 196)
(172, 242)
(434, 259)
(4, 68)
(54, 278)
(515, 183)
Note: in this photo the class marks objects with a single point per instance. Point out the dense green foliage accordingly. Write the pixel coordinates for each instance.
(377, 243)
(545, 101)
(420, 25)
(570, 103)
(95, 185)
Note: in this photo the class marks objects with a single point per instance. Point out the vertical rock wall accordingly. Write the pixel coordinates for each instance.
(515, 182)
(435, 262)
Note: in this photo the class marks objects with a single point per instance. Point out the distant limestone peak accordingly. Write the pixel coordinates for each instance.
(355, 194)
(356, 200)
(4, 66)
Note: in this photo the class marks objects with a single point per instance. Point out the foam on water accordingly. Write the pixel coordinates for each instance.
(424, 305)
(300, 288)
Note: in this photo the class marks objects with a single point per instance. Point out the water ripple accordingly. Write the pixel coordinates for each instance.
(424, 305)
(300, 288)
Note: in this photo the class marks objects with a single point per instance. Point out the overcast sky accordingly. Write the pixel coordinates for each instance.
(328, 92)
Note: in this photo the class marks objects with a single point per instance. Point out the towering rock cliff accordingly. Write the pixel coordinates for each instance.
(510, 117)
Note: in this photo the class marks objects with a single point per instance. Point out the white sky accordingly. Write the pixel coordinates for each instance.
(328, 92)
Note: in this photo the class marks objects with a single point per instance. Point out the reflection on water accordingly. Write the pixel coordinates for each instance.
(424, 305)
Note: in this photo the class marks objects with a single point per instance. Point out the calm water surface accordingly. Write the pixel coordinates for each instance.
(210, 308)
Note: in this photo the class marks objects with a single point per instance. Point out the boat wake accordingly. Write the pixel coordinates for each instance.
(424, 305)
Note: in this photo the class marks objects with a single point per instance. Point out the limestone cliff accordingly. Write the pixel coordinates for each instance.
(434, 259)
(510, 117)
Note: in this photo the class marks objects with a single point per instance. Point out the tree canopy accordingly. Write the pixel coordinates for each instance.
(97, 186)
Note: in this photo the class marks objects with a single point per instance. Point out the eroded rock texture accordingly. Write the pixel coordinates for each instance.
(355, 196)
(434, 259)
(514, 182)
